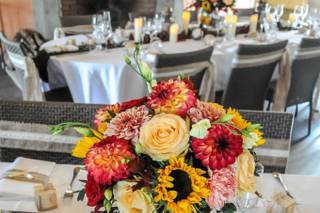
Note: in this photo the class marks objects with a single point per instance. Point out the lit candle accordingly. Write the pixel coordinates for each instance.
(138, 24)
(253, 23)
(174, 29)
(186, 16)
(231, 21)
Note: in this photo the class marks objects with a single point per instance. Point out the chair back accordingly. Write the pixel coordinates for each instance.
(196, 65)
(305, 72)
(251, 74)
(70, 21)
(17, 59)
(277, 129)
(25, 74)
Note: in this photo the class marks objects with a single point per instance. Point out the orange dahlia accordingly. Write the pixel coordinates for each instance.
(107, 161)
(220, 148)
(173, 96)
(104, 114)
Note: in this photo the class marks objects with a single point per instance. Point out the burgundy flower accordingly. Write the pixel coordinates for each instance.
(94, 191)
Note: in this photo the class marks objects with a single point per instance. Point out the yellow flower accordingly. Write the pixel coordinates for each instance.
(129, 201)
(84, 145)
(182, 194)
(237, 119)
(206, 5)
(165, 136)
(260, 141)
(246, 181)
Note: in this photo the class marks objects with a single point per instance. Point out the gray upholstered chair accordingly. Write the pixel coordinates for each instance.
(277, 129)
(70, 21)
(304, 75)
(35, 115)
(252, 71)
(19, 73)
(15, 55)
(197, 65)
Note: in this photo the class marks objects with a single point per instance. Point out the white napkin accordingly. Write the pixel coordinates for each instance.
(17, 195)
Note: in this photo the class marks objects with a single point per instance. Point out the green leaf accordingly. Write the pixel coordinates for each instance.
(252, 127)
(108, 194)
(146, 72)
(200, 129)
(229, 208)
(127, 60)
(181, 76)
(84, 131)
(107, 205)
(226, 118)
(81, 195)
(138, 148)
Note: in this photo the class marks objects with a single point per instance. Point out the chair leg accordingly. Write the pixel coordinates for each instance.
(297, 111)
(269, 106)
(310, 118)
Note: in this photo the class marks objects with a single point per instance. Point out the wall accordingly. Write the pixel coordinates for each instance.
(47, 16)
(15, 15)
(315, 3)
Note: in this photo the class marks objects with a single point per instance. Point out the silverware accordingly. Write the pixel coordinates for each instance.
(278, 176)
(69, 192)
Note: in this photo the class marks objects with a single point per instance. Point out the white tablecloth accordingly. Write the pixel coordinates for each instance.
(305, 189)
(104, 78)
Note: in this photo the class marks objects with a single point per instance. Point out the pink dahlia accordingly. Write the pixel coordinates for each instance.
(172, 96)
(222, 185)
(220, 148)
(204, 110)
(127, 124)
(107, 161)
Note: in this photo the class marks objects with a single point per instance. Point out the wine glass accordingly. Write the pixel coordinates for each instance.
(279, 11)
(97, 34)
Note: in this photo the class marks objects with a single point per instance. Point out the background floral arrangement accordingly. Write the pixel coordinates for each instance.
(167, 152)
(210, 6)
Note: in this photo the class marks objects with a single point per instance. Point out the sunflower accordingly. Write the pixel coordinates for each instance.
(206, 5)
(83, 146)
(181, 186)
(237, 119)
(261, 141)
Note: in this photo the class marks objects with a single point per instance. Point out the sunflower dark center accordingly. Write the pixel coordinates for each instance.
(223, 144)
(182, 184)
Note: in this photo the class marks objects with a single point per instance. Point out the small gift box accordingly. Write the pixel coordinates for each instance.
(46, 197)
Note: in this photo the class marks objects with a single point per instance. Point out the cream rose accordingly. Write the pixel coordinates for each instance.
(246, 180)
(165, 136)
(128, 201)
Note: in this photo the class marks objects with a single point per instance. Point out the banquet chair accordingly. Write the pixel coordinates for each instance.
(70, 21)
(251, 74)
(34, 119)
(304, 76)
(277, 129)
(196, 65)
(26, 77)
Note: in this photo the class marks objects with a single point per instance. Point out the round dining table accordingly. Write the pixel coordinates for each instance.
(102, 77)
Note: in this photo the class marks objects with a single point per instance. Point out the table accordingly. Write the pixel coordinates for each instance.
(103, 77)
(305, 189)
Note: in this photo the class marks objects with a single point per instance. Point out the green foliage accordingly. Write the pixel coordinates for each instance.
(79, 127)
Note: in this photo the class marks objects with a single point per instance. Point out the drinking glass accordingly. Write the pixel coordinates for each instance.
(279, 11)
(97, 34)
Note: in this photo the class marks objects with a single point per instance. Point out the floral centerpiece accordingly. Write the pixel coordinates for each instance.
(206, 8)
(167, 152)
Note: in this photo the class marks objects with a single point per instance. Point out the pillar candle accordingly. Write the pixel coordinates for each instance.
(174, 30)
(253, 23)
(138, 24)
(186, 16)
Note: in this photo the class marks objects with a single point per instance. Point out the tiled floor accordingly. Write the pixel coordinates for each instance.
(304, 156)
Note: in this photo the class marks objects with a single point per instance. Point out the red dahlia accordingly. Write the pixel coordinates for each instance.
(220, 148)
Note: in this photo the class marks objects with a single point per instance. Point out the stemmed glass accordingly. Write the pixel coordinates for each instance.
(97, 33)
(301, 12)
(279, 11)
